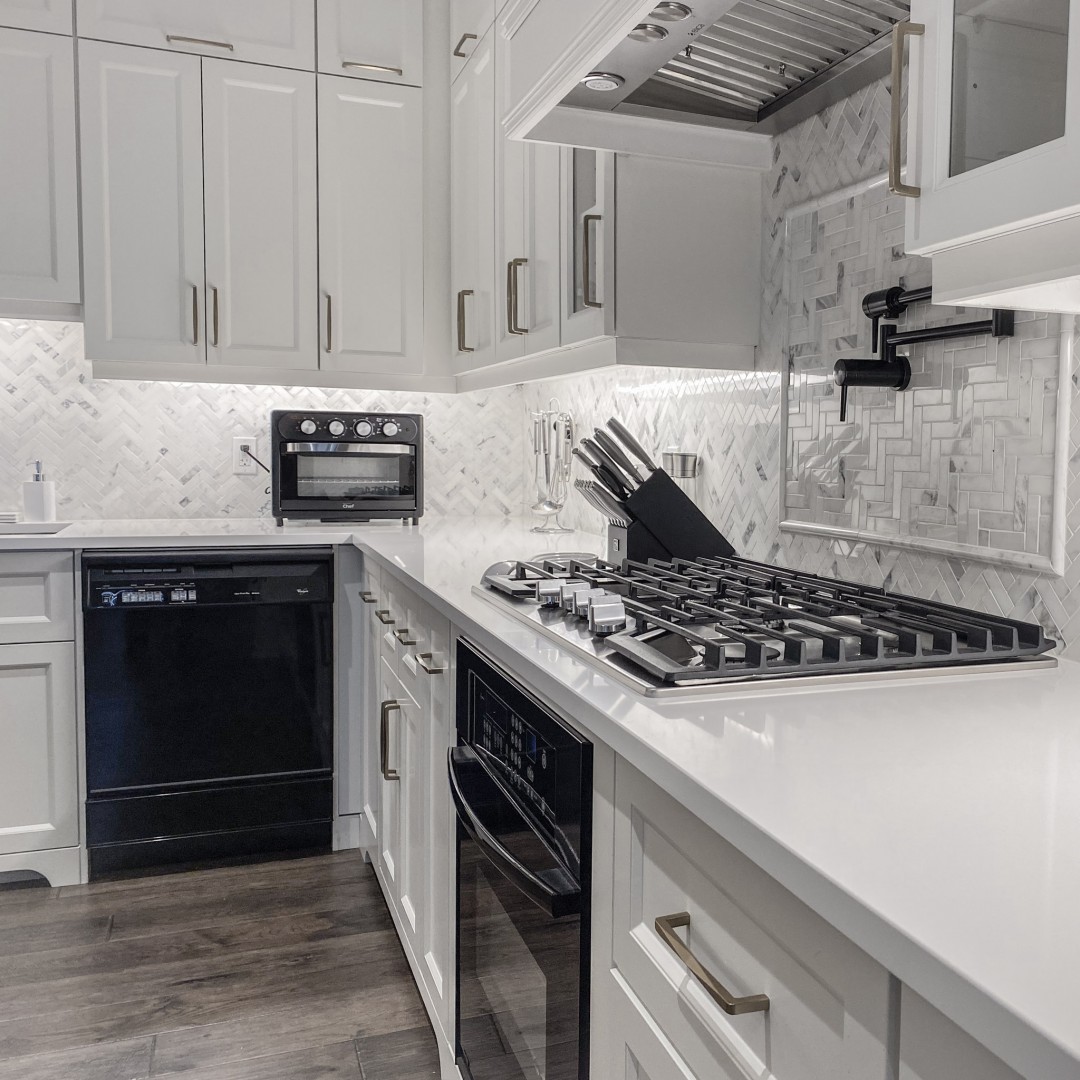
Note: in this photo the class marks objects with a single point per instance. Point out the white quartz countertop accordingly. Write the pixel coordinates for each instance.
(933, 820)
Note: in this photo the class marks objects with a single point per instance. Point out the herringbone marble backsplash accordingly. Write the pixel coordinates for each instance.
(119, 449)
(733, 420)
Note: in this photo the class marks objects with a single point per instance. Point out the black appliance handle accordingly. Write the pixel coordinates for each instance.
(554, 892)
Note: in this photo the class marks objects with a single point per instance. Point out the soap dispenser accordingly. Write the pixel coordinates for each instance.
(39, 496)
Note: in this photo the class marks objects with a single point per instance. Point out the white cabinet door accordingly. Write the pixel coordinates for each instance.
(588, 243)
(51, 16)
(370, 634)
(37, 597)
(511, 254)
(371, 39)
(469, 22)
(142, 203)
(472, 211)
(280, 32)
(540, 289)
(39, 775)
(932, 1047)
(39, 221)
(994, 139)
(371, 227)
(261, 216)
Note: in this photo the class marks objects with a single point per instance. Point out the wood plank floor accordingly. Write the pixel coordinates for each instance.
(280, 971)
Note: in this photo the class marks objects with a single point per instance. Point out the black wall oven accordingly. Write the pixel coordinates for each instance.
(347, 466)
(521, 782)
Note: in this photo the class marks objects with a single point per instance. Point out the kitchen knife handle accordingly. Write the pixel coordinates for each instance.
(609, 463)
(604, 440)
(631, 444)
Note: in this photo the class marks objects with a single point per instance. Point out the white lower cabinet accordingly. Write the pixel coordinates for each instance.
(371, 227)
(39, 773)
(39, 218)
(731, 930)
(261, 216)
(932, 1047)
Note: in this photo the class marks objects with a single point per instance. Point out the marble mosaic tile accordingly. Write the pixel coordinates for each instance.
(125, 449)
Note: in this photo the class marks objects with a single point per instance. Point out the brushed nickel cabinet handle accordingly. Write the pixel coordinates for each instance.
(901, 32)
(383, 615)
(462, 347)
(170, 38)
(403, 636)
(733, 1006)
(423, 658)
(515, 293)
(385, 710)
(511, 298)
(329, 323)
(586, 261)
(368, 598)
(214, 314)
(372, 67)
(464, 38)
(195, 314)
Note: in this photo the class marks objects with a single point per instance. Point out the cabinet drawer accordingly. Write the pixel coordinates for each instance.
(370, 39)
(52, 16)
(37, 597)
(278, 32)
(932, 1047)
(828, 1002)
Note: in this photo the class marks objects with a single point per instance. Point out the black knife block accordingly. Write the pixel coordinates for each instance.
(672, 521)
(633, 542)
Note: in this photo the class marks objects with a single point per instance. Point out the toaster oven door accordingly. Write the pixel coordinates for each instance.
(348, 478)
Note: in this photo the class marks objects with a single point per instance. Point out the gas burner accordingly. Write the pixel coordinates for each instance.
(684, 624)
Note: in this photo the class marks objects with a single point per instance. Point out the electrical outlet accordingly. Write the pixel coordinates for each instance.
(242, 465)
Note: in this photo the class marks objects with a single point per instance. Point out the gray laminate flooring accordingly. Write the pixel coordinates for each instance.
(281, 971)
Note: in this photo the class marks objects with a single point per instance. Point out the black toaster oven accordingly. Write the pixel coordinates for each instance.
(333, 466)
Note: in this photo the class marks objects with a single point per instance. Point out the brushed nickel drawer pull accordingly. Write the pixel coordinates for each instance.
(462, 347)
(403, 636)
(422, 658)
(214, 314)
(385, 710)
(464, 38)
(170, 38)
(195, 314)
(368, 598)
(383, 615)
(372, 67)
(587, 288)
(901, 32)
(733, 1006)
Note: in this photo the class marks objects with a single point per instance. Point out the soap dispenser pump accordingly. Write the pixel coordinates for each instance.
(39, 496)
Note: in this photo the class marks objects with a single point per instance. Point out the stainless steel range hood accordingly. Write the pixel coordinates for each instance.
(753, 65)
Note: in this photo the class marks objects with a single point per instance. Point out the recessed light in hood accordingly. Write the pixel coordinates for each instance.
(603, 81)
(647, 32)
(670, 12)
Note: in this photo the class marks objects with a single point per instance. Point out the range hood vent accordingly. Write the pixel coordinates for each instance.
(760, 65)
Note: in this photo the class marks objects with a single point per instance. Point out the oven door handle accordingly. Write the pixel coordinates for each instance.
(553, 891)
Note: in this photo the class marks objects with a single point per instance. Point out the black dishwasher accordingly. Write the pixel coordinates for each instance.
(209, 705)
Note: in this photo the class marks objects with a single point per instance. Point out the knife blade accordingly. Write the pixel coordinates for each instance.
(607, 443)
(631, 444)
(615, 509)
(588, 493)
(609, 462)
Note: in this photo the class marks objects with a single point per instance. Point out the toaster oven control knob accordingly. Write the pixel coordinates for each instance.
(391, 428)
(308, 427)
(337, 428)
(363, 428)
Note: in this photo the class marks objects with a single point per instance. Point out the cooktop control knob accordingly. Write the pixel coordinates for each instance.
(391, 428)
(607, 614)
(584, 599)
(549, 593)
(337, 428)
(308, 427)
(363, 428)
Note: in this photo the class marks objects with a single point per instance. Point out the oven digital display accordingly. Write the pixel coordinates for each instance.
(526, 759)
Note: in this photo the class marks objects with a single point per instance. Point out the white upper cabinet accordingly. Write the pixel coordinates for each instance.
(279, 32)
(261, 216)
(469, 22)
(994, 148)
(142, 197)
(587, 211)
(371, 227)
(51, 16)
(372, 39)
(39, 222)
(472, 212)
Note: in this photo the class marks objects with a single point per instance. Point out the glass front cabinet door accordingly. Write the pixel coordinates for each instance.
(993, 102)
